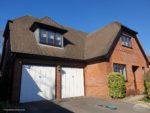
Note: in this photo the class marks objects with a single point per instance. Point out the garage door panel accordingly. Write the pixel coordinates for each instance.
(81, 78)
(26, 87)
(72, 82)
(37, 83)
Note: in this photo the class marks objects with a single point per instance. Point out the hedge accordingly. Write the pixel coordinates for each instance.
(116, 85)
(148, 88)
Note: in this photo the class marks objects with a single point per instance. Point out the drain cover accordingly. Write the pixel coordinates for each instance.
(113, 107)
(110, 106)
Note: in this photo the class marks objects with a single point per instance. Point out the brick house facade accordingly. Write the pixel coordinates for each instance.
(97, 73)
(93, 55)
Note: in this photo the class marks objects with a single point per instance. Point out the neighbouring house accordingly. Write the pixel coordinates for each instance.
(45, 60)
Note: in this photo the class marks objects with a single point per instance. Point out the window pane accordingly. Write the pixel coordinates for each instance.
(43, 33)
(51, 38)
(121, 69)
(43, 36)
(126, 40)
(115, 67)
(124, 72)
(129, 42)
(58, 39)
(123, 40)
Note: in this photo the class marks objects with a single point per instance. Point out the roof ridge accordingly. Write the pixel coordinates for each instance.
(24, 17)
(46, 17)
(76, 29)
(115, 22)
(61, 24)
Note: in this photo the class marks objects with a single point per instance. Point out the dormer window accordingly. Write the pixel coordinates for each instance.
(43, 36)
(50, 38)
(48, 35)
(126, 41)
(58, 39)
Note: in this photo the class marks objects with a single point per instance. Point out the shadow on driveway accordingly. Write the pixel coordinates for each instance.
(81, 105)
(43, 107)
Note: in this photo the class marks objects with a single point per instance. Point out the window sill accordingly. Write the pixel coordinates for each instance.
(127, 46)
(51, 46)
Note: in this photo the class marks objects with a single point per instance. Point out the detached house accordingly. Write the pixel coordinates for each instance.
(45, 60)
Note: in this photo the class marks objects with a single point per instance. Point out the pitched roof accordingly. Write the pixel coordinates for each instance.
(23, 40)
(99, 42)
(49, 21)
(77, 44)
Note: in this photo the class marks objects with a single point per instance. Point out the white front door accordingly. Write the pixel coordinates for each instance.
(37, 83)
(72, 82)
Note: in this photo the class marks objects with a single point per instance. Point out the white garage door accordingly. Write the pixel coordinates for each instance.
(37, 83)
(72, 82)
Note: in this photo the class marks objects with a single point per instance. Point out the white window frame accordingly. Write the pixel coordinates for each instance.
(126, 41)
(46, 44)
(123, 71)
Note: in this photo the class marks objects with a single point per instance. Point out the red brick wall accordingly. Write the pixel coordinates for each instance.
(96, 74)
(130, 56)
(96, 79)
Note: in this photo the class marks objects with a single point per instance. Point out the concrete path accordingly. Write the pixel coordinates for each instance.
(82, 105)
(137, 100)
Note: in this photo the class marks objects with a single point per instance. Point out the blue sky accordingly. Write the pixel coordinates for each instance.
(85, 15)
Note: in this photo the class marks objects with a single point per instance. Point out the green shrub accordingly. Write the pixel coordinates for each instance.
(147, 83)
(146, 99)
(116, 85)
(148, 88)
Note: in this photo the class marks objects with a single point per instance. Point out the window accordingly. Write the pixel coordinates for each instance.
(121, 68)
(126, 41)
(50, 38)
(58, 39)
(43, 37)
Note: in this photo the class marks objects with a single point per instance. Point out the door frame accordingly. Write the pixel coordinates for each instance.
(134, 69)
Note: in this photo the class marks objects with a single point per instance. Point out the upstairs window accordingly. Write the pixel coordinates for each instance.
(43, 37)
(126, 41)
(50, 38)
(121, 68)
(58, 39)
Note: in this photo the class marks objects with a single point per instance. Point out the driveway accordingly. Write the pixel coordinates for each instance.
(82, 105)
